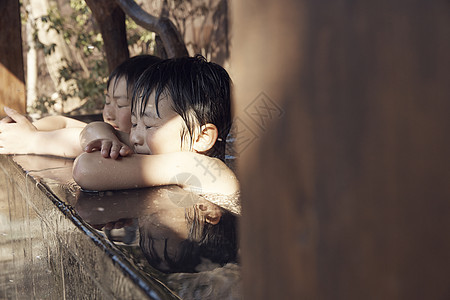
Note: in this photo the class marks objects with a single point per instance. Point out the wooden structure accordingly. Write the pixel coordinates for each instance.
(344, 160)
(12, 83)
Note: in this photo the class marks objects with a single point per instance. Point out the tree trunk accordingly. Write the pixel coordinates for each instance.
(111, 20)
(171, 38)
(61, 55)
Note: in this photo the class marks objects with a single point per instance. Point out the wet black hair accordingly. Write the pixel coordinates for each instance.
(131, 69)
(218, 243)
(200, 93)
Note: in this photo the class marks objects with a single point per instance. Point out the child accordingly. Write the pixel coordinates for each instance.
(181, 115)
(58, 135)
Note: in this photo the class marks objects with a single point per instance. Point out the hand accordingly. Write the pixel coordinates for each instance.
(124, 222)
(102, 136)
(15, 138)
(109, 148)
(6, 120)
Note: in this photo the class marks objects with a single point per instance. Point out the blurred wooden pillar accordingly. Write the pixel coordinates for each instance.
(12, 82)
(344, 158)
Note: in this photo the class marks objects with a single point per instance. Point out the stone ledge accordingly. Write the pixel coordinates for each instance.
(55, 253)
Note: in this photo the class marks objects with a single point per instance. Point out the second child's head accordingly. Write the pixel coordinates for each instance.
(117, 109)
(181, 104)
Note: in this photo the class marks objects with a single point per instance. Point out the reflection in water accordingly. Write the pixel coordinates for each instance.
(177, 243)
(123, 231)
(173, 237)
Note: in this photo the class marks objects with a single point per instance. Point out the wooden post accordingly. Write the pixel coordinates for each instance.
(12, 82)
(343, 113)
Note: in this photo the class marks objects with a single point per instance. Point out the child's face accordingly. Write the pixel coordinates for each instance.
(117, 110)
(167, 228)
(151, 134)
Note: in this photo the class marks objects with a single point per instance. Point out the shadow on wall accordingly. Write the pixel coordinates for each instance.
(345, 192)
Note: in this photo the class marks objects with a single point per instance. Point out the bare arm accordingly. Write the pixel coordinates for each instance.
(50, 123)
(188, 170)
(22, 137)
(57, 122)
(62, 142)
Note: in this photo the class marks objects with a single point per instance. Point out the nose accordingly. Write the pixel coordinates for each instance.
(136, 136)
(108, 112)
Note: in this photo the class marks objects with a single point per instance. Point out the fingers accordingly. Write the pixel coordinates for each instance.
(115, 151)
(114, 225)
(128, 222)
(93, 146)
(119, 150)
(108, 148)
(109, 226)
(118, 224)
(6, 120)
(15, 116)
(125, 151)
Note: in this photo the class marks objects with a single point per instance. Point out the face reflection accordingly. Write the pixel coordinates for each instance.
(166, 227)
(153, 134)
(117, 110)
(165, 231)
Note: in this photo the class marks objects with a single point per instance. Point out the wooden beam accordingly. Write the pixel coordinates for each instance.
(344, 110)
(12, 82)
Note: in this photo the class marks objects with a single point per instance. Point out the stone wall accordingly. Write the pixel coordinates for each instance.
(48, 252)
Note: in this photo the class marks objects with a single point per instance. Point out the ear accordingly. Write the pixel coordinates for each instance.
(211, 212)
(206, 138)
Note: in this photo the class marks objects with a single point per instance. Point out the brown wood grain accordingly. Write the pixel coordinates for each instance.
(12, 87)
(346, 194)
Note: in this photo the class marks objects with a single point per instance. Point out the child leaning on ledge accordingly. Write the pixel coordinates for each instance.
(181, 115)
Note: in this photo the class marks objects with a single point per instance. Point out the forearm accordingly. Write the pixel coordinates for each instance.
(57, 122)
(186, 169)
(62, 142)
(94, 172)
